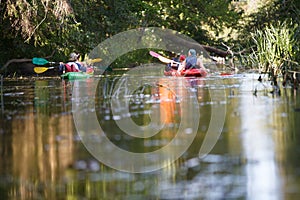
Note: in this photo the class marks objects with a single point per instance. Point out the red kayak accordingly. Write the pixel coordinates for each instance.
(187, 73)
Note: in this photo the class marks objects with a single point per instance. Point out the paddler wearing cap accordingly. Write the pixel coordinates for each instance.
(73, 65)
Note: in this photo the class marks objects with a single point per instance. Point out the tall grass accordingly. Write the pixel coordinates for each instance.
(274, 49)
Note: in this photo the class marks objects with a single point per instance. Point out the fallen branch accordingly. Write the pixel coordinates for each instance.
(21, 60)
(181, 41)
(218, 52)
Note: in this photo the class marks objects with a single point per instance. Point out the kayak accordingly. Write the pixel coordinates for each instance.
(75, 75)
(78, 75)
(187, 73)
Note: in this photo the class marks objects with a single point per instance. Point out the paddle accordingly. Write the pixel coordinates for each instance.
(167, 60)
(162, 59)
(42, 61)
(89, 61)
(39, 70)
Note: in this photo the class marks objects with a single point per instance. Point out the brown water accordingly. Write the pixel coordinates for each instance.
(256, 156)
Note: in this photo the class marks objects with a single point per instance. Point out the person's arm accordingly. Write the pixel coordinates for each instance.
(182, 66)
(200, 63)
(62, 67)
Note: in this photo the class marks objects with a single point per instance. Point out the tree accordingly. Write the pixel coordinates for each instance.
(36, 28)
(270, 15)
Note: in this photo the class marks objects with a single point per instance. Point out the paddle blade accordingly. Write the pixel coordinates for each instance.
(96, 60)
(161, 58)
(152, 53)
(39, 70)
(165, 60)
(39, 61)
(90, 61)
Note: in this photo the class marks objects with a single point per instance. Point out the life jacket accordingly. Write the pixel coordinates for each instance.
(72, 67)
(191, 62)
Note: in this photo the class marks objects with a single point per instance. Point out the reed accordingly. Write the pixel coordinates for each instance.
(274, 49)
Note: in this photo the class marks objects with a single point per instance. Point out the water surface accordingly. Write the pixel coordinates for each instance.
(256, 156)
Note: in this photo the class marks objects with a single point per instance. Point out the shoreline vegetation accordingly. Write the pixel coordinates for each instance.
(245, 36)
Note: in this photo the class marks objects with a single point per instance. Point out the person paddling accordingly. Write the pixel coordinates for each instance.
(191, 62)
(73, 65)
(178, 59)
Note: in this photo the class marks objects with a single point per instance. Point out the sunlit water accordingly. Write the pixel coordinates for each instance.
(255, 157)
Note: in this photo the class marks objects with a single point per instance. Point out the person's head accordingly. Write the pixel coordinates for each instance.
(182, 58)
(74, 56)
(192, 52)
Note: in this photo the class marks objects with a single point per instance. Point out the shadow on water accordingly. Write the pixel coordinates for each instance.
(256, 156)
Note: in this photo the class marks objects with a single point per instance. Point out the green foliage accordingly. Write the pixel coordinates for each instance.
(37, 28)
(273, 48)
(271, 14)
(132, 59)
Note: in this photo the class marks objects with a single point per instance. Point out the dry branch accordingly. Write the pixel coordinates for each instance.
(21, 60)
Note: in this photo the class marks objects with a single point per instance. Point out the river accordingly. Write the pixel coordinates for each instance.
(222, 140)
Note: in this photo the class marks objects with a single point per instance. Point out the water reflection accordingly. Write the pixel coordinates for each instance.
(256, 157)
(258, 133)
(132, 101)
(40, 142)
